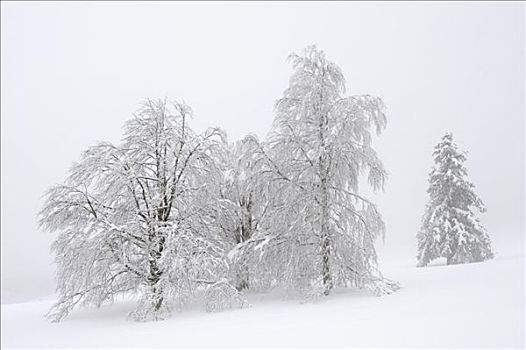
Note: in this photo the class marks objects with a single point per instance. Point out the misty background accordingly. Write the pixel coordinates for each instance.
(73, 73)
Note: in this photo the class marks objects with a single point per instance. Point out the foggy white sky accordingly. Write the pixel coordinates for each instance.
(72, 74)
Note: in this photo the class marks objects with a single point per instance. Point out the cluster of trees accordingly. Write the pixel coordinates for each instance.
(170, 215)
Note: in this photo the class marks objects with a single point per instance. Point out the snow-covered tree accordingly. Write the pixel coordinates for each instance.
(244, 203)
(140, 218)
(322, 231)
(450, 229)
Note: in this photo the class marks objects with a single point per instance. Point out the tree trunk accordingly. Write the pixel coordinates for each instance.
(450, 260)
(155, 275)
(155, 271)
(242, 275)
(325, 240)
(245, 232)
(157, 298)
(327, 278)
(325, 254)
(324, 203)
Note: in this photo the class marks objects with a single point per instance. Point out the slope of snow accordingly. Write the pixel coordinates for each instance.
(476, 305)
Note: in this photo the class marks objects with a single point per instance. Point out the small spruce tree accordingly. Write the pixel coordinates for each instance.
(450, 229)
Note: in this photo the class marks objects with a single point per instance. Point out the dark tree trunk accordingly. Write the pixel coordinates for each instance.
(242, 276)
(155, 271)
(451, 260)
(245, 232)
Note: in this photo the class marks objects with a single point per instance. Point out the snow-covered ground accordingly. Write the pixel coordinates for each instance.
(476, 305)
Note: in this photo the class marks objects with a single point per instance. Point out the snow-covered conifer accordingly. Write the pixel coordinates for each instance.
(140, 218)
(322, 231)
(450, 229)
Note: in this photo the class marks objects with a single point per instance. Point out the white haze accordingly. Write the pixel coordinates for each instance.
(72, 74)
